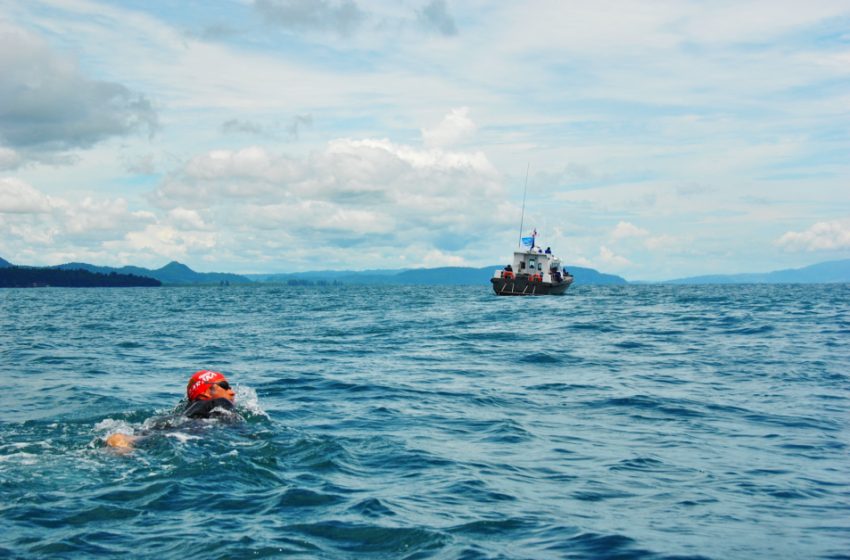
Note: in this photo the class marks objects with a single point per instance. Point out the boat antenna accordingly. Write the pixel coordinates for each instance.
(524, 190)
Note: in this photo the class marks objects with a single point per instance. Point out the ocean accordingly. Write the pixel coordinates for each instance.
(429, 422)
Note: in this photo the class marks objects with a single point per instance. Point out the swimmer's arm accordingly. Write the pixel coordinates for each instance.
(121, 441)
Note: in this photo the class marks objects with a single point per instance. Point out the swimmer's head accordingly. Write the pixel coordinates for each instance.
(206, 385)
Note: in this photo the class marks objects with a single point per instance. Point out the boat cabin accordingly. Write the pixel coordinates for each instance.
(536, 262)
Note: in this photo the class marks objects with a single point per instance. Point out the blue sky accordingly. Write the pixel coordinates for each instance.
(664, 138)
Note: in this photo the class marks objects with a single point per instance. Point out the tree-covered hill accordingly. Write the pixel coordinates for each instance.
(26, 277)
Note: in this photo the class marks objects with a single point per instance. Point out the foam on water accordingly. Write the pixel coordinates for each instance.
(411, 422)
(181, 437)
(247, 401)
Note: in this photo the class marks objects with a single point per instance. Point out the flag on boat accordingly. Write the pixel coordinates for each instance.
(528, 241)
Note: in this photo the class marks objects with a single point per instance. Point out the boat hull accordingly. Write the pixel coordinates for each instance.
(522, 286)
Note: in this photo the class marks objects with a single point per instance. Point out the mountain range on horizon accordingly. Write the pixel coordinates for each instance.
(820, 273)
(172, 273)
(176, 273)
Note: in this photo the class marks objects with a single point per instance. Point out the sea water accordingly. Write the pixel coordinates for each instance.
(429, 422)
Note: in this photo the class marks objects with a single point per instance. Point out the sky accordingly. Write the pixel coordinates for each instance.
(653, 139)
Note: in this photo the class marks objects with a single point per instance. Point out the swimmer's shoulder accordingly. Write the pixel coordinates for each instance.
(205, 409)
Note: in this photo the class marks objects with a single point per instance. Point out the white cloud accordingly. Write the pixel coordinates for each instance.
(582, 261)
(251, 162)
(18, 197)
(9, 158)
(313, 215)
(456, 127)
(435, 258)
(627, 230)
(98, 216)
(352, 174)
(141, 165)
(61, 226)
(350, 193)
(667, 243)
(636, 237)
(165, 241)
(184, 219)
(609, 259)
(822, 236)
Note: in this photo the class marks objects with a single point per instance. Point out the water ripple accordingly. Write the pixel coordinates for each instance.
(653, 422)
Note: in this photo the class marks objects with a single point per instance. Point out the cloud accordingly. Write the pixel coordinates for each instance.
(9, 159)
(626, 230)
(316, 216)
(293, 127)
(343, 16)
(692, 189)
(455, 128)
(104, 231)
(582, 261)
(47, 104)
(96, 217)
(297, 122)
(189, 220)
(608, 258)
(353, 171)
(30, 215)
(245, 172)
(140, 165)
(669, 243)
(636, 238)
(164, 240)
(47, 230)
(364, 193)
(822, 236)
(435, 16)
(18, 197)
(435, 258)
(237, 126)
(218, 32)
(38, 229)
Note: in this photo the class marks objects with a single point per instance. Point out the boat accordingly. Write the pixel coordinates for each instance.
(534, 272)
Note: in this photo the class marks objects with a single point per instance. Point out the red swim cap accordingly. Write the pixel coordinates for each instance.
(199, 382)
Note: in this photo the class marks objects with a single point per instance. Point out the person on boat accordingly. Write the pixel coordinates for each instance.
(209, 395)
(548, 250)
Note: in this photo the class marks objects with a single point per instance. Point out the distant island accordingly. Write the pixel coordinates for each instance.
(31, 277)
(822, 273)
(178, 274)
(174, 273)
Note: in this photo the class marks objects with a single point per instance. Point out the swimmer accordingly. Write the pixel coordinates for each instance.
(208, 393)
